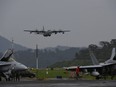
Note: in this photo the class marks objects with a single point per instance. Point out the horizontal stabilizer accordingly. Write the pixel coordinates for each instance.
(113, 54)
(113, 57)
(93, 58)
(8, 53)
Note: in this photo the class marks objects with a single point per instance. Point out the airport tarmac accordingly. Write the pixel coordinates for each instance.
(61, 83)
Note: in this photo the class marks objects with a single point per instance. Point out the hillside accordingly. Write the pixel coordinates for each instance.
(59, 56)
(6, 44)
(46, 57)
(82, 57)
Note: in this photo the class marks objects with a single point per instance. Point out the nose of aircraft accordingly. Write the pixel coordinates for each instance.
(23, 67)
(20, 67)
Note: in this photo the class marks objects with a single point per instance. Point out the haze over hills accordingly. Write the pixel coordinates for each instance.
(47, 56)
(6, 44)
(59, 56)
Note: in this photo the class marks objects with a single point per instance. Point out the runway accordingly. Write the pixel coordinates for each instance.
(61, 83)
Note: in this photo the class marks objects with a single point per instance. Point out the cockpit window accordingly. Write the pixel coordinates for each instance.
(11, 60)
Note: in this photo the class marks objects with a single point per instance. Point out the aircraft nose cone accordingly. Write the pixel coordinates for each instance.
(24, 67)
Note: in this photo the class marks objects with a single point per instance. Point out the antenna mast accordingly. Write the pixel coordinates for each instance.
(36, 56)
(12, 44)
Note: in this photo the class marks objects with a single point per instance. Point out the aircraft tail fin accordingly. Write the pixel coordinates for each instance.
(93, 58)
(113, 57)
(6, 56)
(113, 54)
(43, 28)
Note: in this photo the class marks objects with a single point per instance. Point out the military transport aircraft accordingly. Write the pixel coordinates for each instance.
(98, 69)
(8, 65)
(47, 33)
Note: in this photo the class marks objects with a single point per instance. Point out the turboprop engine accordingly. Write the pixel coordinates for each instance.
(95, 73)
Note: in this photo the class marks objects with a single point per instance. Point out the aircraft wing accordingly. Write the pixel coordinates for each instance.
(73, 68)
(35, 31)
(60, 31)
(4, 67)
(64, 31)
(89, 67)
(29, 30)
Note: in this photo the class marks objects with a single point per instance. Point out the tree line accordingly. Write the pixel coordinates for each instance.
(82, 57)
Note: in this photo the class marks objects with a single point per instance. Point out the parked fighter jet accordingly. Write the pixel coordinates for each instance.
(8, 65)
(47, 33)
(98, 69)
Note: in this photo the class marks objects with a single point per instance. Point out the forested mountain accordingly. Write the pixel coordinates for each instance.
(60, 56)
(46, 57)
(6, 44)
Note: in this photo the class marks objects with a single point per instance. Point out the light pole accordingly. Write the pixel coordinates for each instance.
(36, 56)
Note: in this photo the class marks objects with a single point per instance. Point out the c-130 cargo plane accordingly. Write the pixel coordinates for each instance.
(47, 33)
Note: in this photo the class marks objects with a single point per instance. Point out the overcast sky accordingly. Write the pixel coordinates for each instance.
(90, 21)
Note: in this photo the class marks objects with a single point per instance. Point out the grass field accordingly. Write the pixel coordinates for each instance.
(50, 73)
(59, 72)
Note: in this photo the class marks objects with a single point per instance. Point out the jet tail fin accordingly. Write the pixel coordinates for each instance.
(8, 53)
(113, 54)
(93, 58)
(43, 28)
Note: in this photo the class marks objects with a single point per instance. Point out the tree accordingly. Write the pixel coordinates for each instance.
(93, 47)
(105, 44)
(113, 42)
